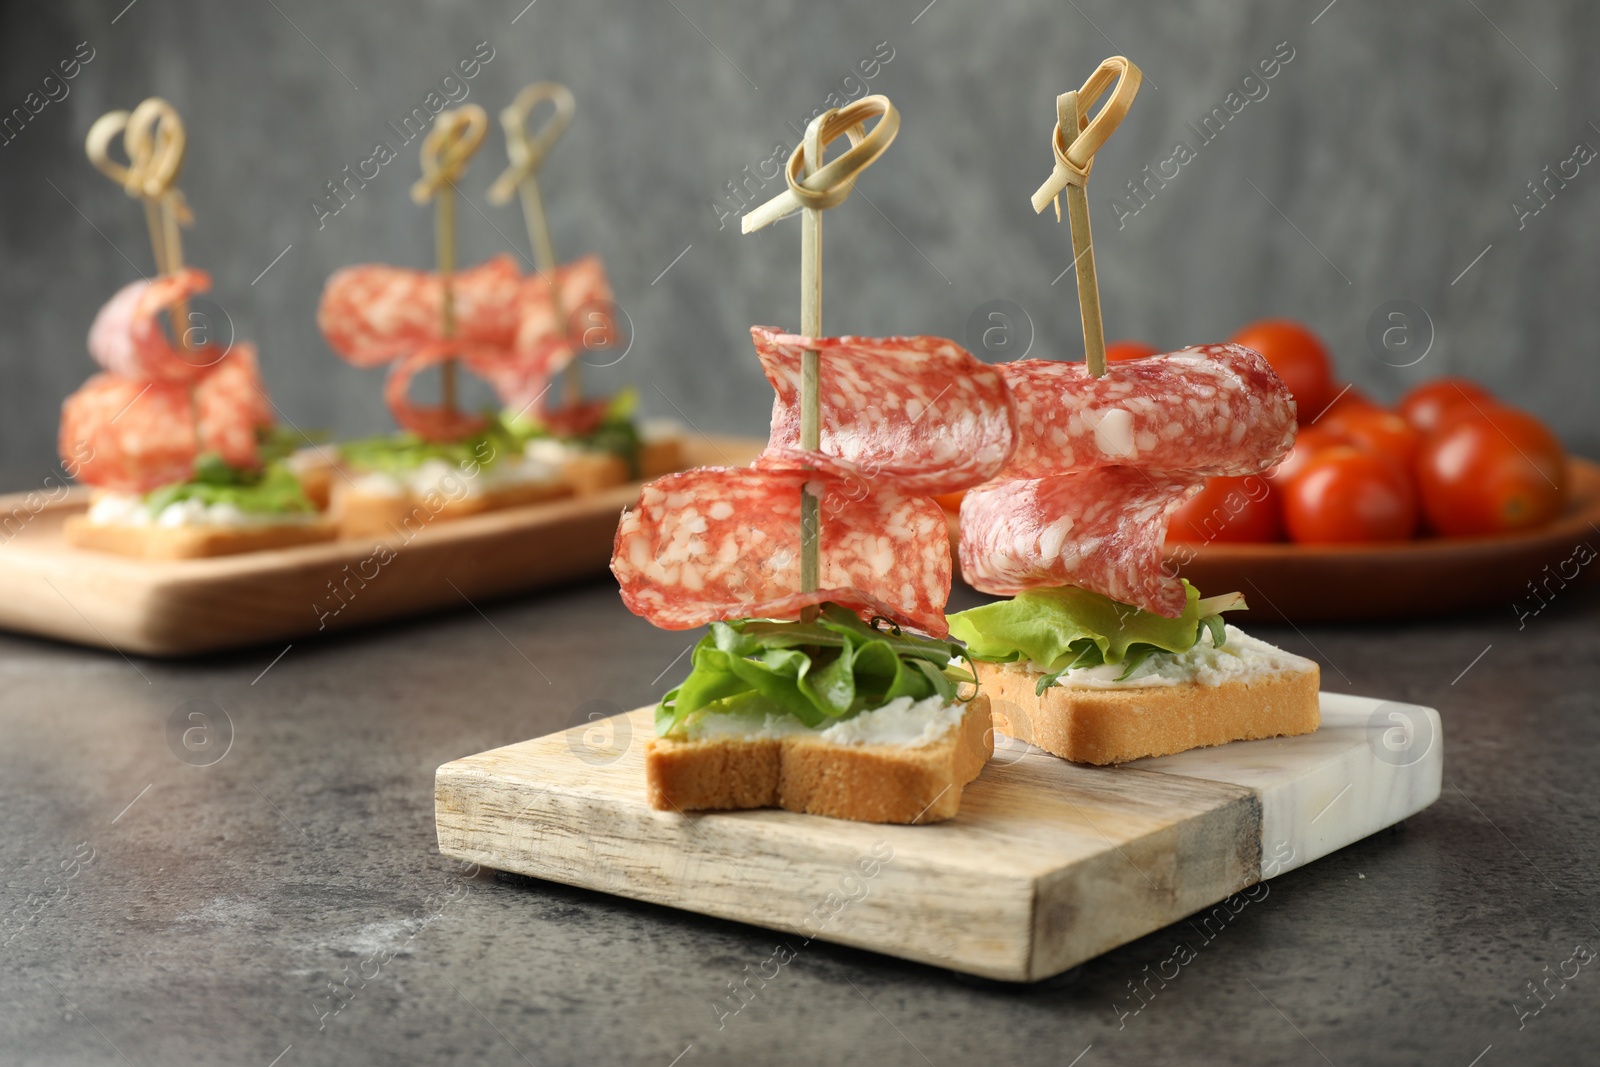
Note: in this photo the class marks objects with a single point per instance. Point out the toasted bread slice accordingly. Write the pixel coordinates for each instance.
(592, 472)
(363, 514)
(315, 471)
(1271, 694)
(801, 771)
(191, 542)
(660, 455)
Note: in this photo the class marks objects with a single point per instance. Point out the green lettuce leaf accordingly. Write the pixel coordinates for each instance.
(617, 432)
(818, 672)
(398, 453)
(273, 490)
(1068, 627)
(277, 443)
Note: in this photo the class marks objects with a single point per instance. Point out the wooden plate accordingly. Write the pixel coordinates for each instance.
(1414, 579)
(183, 607)
(1432, 576)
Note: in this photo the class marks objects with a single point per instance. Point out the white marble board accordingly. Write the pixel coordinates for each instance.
(1048, 863)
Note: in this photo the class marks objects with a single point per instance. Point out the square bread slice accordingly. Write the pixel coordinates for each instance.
(1272, 694)
(363, 514)
(800, 771)
(588, 472)
(191, 542)
(591, 472)
(660, 455)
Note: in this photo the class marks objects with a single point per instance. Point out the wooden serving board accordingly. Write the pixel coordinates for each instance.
(1430, 576)
(183, 607)
(1048, 864)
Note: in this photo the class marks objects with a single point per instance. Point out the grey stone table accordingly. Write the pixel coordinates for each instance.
(286, 904)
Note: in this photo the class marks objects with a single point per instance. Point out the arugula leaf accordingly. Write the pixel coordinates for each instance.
(273, 490)
(276, 443)
(399, 453)
(616, 433)
(1065, 628)
(818, 672)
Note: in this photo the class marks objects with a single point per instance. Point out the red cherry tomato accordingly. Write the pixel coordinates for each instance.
(1491, 471)
(1426, 406)
(1377, 430)
(1229, 510)
(1309, 441)
(1346, 495)
(1299, 358)
(1118, 351)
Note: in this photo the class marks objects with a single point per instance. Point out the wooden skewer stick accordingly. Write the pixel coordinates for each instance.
(810, 365)
(521, 178)
(813, 187)
(1075, 141)
(155, 134)
(455, 136)
(1094, 327)
(154, 140)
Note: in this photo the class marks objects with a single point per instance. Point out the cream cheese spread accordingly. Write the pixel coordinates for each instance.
(1204, 664)
(445, 478)
(902, 722)
(654, 430)
(127, 509)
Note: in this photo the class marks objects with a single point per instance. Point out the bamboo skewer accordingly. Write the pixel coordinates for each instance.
(1094, 329)
(154, 140)
(810, 365)
(1075, 141)
(444, 243)
(527, 155)
(455, 136)
(813, 187)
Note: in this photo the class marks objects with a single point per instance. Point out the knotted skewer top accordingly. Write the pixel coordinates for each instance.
(154, 141)
(1074, 155)
(829, 184)
(1074, 142)
(455, 136)
(153, 138)
(527, 153)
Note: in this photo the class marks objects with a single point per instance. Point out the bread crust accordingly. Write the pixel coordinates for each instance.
(191, 542)
(594, 472)
(660, 456)
(361, 514)
(867, 783)
(316, 481)
(1116, 725)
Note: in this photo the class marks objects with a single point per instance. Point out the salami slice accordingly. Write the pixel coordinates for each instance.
(434, 423)
(542, 348)
(917, 413)
(371, 314)
(1211, 410)
(1100, 529)
(722, 542)
(230, 406)
(128, 339)
(585, 305)
(127, 436)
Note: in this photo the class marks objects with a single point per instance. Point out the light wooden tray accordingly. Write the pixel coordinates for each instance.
(1047, 864)
(1429, 576)
(183, 607)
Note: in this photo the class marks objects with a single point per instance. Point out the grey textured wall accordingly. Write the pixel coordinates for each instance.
(1384, 157)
